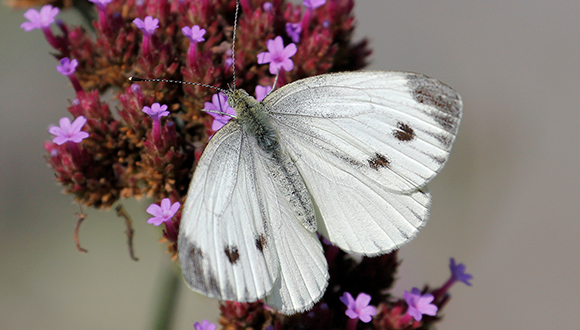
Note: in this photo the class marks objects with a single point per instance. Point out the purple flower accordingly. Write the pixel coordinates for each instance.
(69, 132)
(156, 111)
(262, 91)
(294, 30)
(135, 88)
(148, 26)
(219, 102)
(458, 272)
(268, 6)
(277, 55)
(194, 33)
(205, 325)
(67, 67)
(39, 20)
(419, 304)
(359, 308)
(313, 4)
(162, 213)
(101, 3)
(229, 61)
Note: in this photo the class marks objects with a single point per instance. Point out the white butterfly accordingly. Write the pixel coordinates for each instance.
(345, 154)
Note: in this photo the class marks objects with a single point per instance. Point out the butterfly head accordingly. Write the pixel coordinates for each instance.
(239, 99)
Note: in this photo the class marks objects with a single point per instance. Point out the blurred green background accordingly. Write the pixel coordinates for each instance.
(506, 204)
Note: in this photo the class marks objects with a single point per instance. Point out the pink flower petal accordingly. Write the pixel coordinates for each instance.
(264, 58)
(78, 124)
(289, 51)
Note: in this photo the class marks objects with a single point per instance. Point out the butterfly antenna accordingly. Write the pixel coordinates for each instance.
(234, 42)
(137, 79)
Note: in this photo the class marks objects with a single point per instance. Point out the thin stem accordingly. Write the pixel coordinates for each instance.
(85, 8)
(167, 295)
(81, 217)
(352, 324)
(129, 232)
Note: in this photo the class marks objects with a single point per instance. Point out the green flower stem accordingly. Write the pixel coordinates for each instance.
(167, 295)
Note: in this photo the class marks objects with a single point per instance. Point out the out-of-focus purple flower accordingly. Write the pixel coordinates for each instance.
(69, 132)
(229, 61)
(67, 67)
(458, 272)
(101, 3)
(39, 20)
(219, 102)
(156, 111)
(162, 213)
(205, 325)
(148, 26)
(294, 30)
(419, 304)
(268, 6)
(262, 91)
(359, 308)
(277, 55)
(194, 33)
(135, 88)
(313, 4)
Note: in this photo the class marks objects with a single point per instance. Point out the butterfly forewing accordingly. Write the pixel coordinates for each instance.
(365, 144)
(396, 128)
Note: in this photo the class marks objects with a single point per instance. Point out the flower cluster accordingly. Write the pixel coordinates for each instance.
(156, 133)
(159, 130)
(367, 279)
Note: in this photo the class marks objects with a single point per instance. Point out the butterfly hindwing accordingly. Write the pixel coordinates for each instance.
(303, 269)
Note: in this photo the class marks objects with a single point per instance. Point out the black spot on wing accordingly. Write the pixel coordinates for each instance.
(232, 253)
(261, 242)
(379, 161)
(404, 132)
